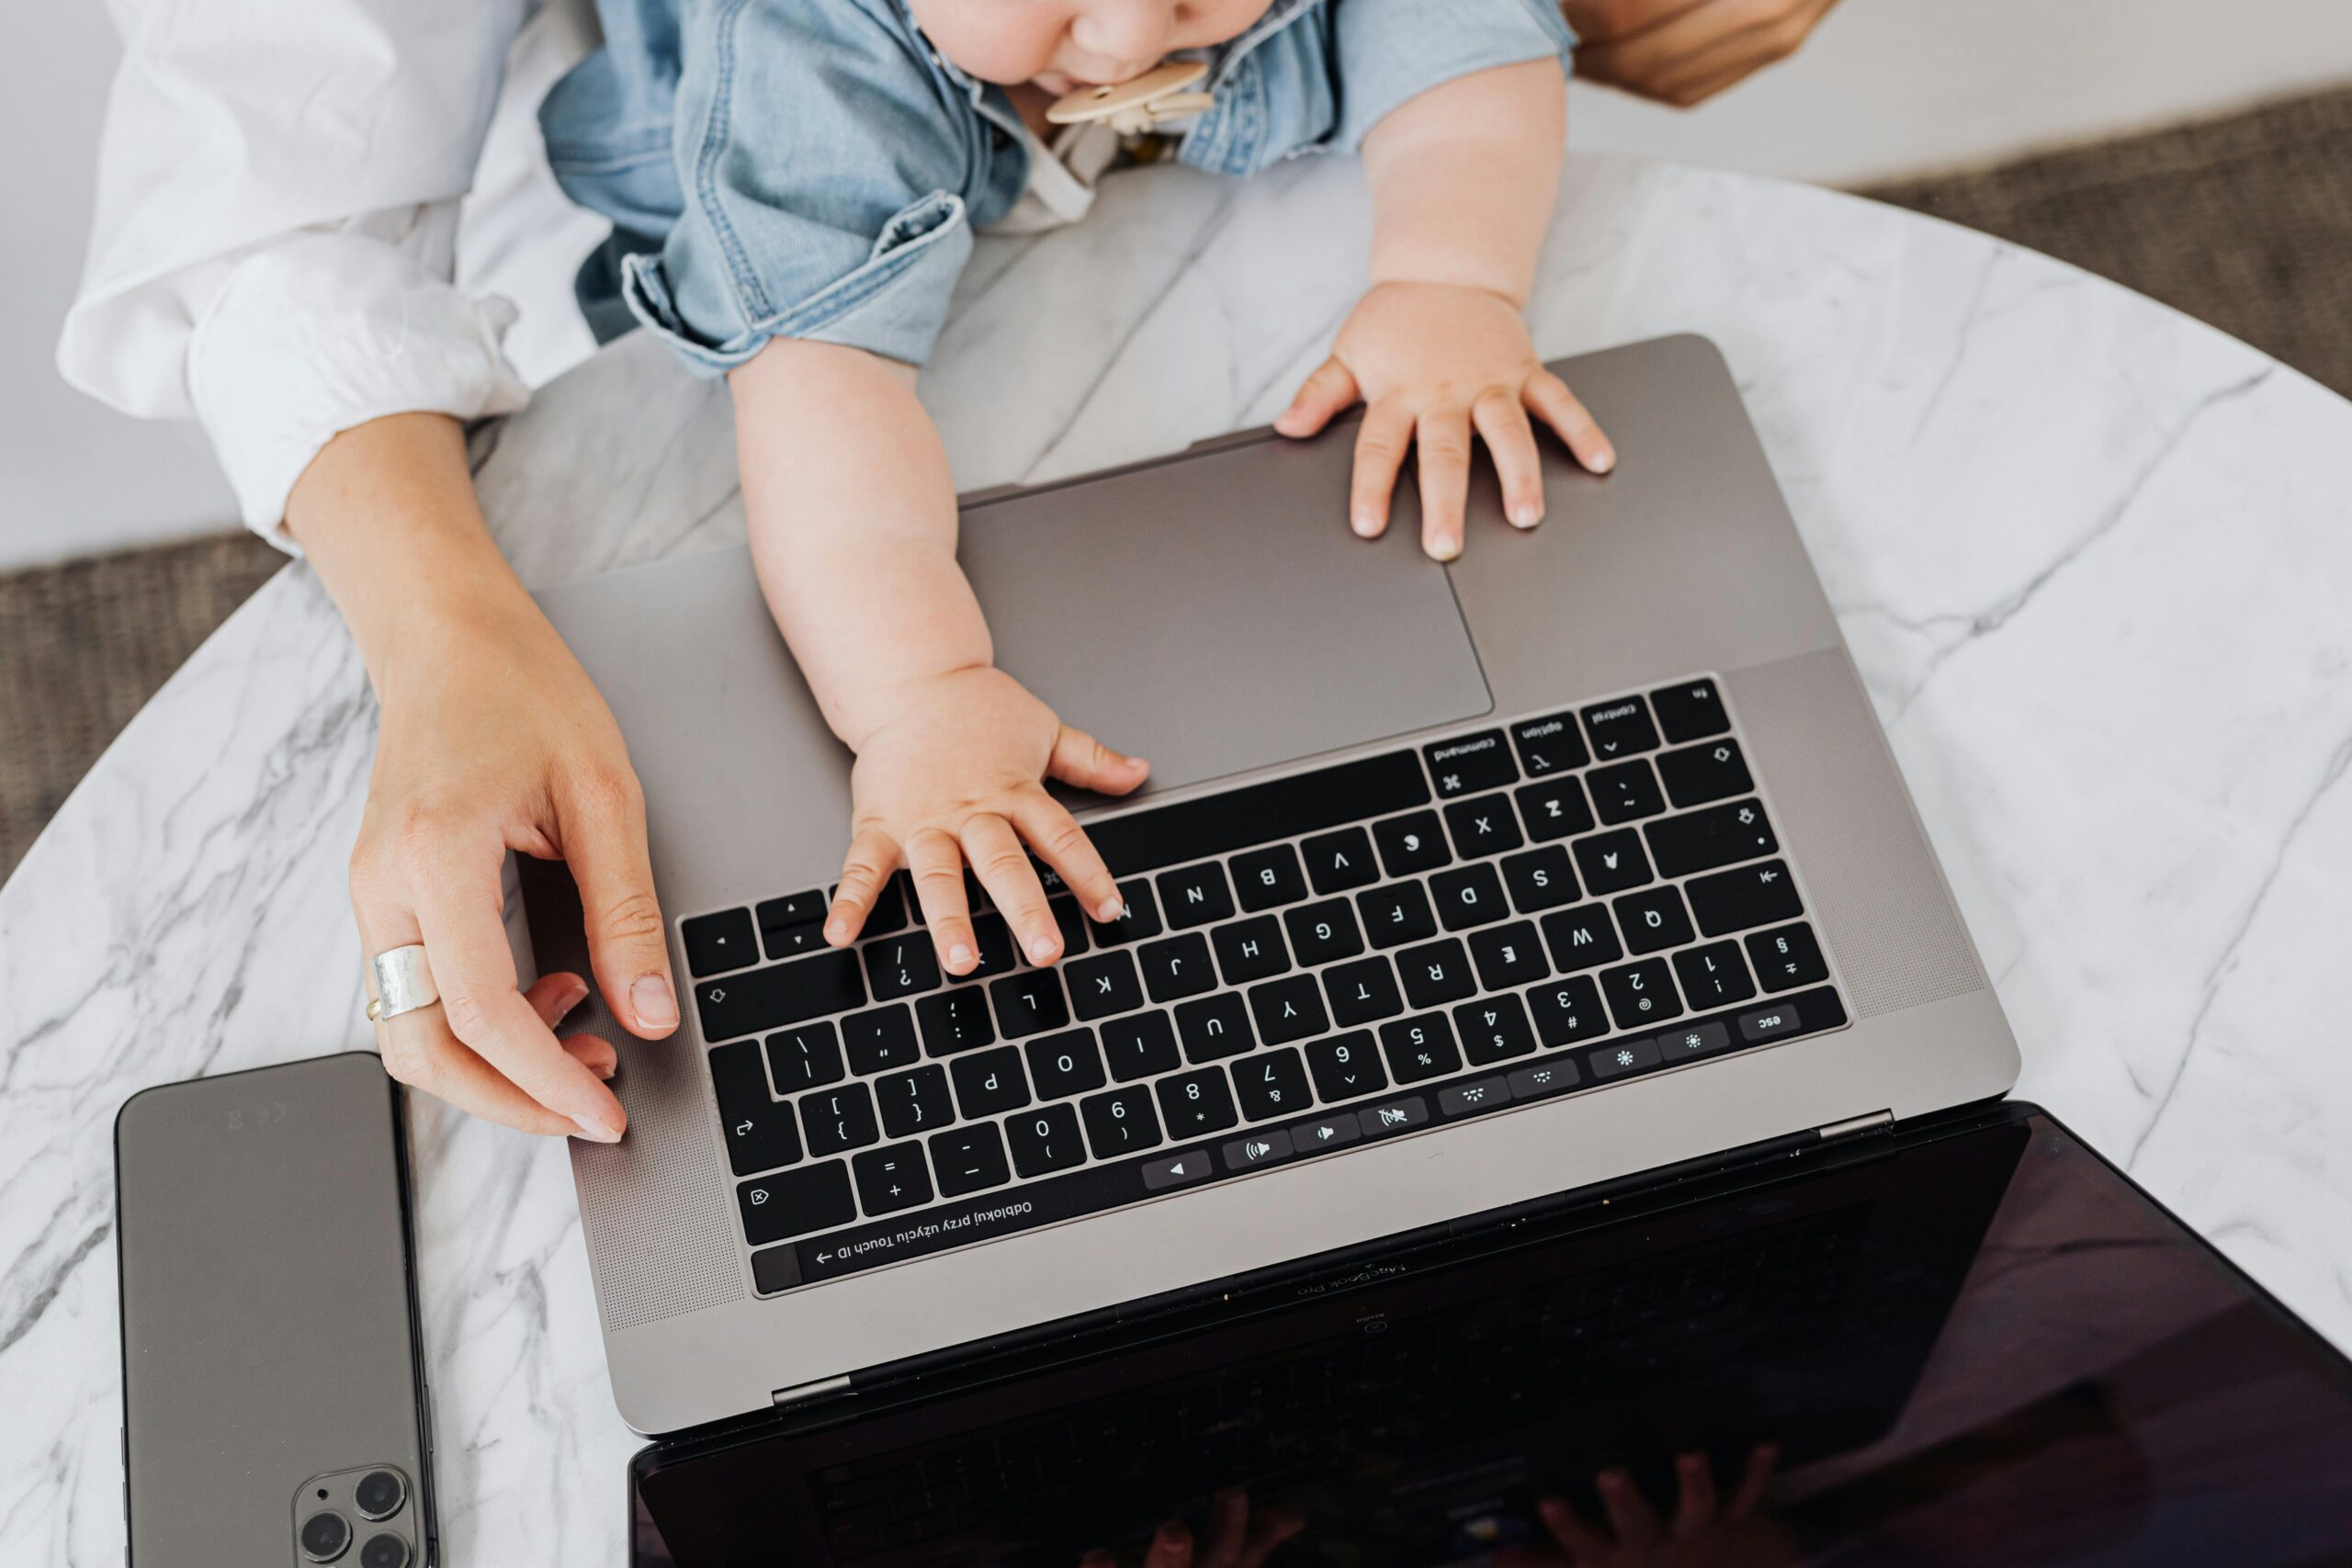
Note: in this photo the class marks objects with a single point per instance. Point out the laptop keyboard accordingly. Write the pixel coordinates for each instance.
(1342, 954)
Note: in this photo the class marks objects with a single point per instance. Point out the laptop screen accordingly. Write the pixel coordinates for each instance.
(1973, 1346)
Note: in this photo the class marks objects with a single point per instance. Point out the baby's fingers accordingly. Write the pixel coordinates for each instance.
(1502, 424)
(1444, 437)
(935, 861)
(872, 857)
(1557, 407)
(1320, 397)
(1381, 440)
(1080, 759)
(1003, 868)
(1061, 843)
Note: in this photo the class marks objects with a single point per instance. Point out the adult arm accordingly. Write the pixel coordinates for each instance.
(1685, 51)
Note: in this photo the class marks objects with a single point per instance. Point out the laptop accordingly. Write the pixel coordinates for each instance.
(1458, 891)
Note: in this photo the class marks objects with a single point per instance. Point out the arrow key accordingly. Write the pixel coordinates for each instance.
(1176, 1170)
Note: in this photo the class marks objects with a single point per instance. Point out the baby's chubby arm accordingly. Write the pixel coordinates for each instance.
(1463, 182)
(852, 523)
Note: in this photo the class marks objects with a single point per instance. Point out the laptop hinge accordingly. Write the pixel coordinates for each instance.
(806, 1391)
(1853, 1124)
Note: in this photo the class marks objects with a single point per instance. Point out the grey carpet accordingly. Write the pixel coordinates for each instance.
(2244, 221)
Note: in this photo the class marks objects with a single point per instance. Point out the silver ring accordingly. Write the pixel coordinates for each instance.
(403, 982)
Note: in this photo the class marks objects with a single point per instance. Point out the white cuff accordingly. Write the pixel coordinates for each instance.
(308, 338)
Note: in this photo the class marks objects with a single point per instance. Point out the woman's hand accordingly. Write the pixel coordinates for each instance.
(1430, 362)
(954, 775)
(1685, 51)
(493, 739)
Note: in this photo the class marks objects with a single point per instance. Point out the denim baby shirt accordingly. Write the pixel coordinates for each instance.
(814, 169)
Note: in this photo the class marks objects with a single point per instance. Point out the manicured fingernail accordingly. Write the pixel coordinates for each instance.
(1524, 515)
(1444, 549)
(1108, 911)
(960, 955)
(1042, 950)
(608, 1069)
(597, 1132)
(656, 1007)
(1364, 523)
(573, 995)
(1604, 460)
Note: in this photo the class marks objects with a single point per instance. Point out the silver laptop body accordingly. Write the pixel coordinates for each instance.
(1209, 611)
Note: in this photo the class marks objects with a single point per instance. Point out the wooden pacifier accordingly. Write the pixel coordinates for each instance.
(1133, 107)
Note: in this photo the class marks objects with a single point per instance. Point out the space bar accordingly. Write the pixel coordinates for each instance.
(1258, 814)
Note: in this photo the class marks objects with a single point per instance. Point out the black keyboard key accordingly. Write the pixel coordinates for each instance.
(1346, 1066)
(1751, 896)
(1509, 957)
(1267, 879)
(993, 939)
(1625, 792)
(1540, 879)
(1653, 921)
(1196, 1102)
(1410, 844)
(719, 942)
(1771, 1022)
(805, 1057)
(1544, 1078)
(1470, 764)
(1494, 1030)
(1071, 921)
(1581, 938)
(1029, 1003)
(1689, 1041)
(1066, 1063)
(1624, 1056)
(1468, 895)
(1436, 973)
(1249, 950)
(1787, 957)
(1619, 728)
(1466, 1099)
(1288, 1009)
(915, 1101)
(1103, 985)
(1139, 918)
(791, 942)
(990, 1082)
(1261, 813)
(1701, 841)
(967, 1160)
(793, 909)
(892, 1178)
(1337, 861)
(793, 1203)
(955, 1021)
(1549, 745)
(1392, 1116)
(1420, 1048)
(1323, 933)
(837, 1119)
(1271, 1084)
(1690, 710)
(1176, 966)
(761, 1132)
(1143, 1046)
(1217, 1026)
(1363, 992)
(1713, 975)
(1325, 1133)
(1399, 912)
(1698, 774)
(901, 965)
(761, 999)
(1120, 1122)
(1611, 862)
(1195, 895)
(1045, 1140)
(1640, 992)
(1554, 808)
(1567, 1010)
(1483, 826)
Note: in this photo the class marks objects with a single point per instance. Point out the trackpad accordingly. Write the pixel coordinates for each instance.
(1135, 607)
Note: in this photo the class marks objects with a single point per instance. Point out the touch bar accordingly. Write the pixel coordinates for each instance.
(1280, 808)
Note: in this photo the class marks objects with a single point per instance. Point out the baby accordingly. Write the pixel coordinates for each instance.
(794, 186)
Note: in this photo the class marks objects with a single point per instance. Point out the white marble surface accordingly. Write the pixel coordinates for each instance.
(2093, 559)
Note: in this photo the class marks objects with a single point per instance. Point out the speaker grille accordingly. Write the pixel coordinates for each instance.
(1880, 899)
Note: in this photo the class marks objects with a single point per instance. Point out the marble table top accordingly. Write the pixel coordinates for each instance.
(2092, 557)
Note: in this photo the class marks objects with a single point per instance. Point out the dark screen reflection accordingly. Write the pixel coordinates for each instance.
(1983, 1348)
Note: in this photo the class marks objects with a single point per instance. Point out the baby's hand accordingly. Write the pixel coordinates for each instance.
(1430, 360)
(954, 775)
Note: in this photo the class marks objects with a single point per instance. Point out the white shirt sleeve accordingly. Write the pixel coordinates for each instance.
(275, 239)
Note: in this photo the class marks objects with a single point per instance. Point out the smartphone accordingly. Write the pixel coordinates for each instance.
(275, 1405)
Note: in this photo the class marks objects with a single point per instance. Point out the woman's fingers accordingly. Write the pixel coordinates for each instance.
(1579, 1539)
(1003, 868)
(935, 861)
(1229, 1524)
(1321, 398)
(1061, 843)
(1559, 408)
(1442, 436)
(1381, 440)
(1078, 759)
(1630, 1515)
(602, 829)
(1695, 1480)
(554, 996)
(1502, 425)
(873, 856)
(419, 1050)
(1172, 1547)
(1762, 1460)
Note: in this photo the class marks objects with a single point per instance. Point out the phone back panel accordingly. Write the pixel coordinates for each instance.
(268, 1322)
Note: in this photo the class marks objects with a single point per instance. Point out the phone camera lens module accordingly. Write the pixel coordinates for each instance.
(379, 1494)
(386, 1551)
(327, 1535)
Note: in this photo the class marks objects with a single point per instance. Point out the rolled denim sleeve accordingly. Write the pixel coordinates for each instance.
(829, 169)
(1390, 52)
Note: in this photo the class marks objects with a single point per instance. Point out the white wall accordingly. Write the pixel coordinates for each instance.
(1886, 87)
